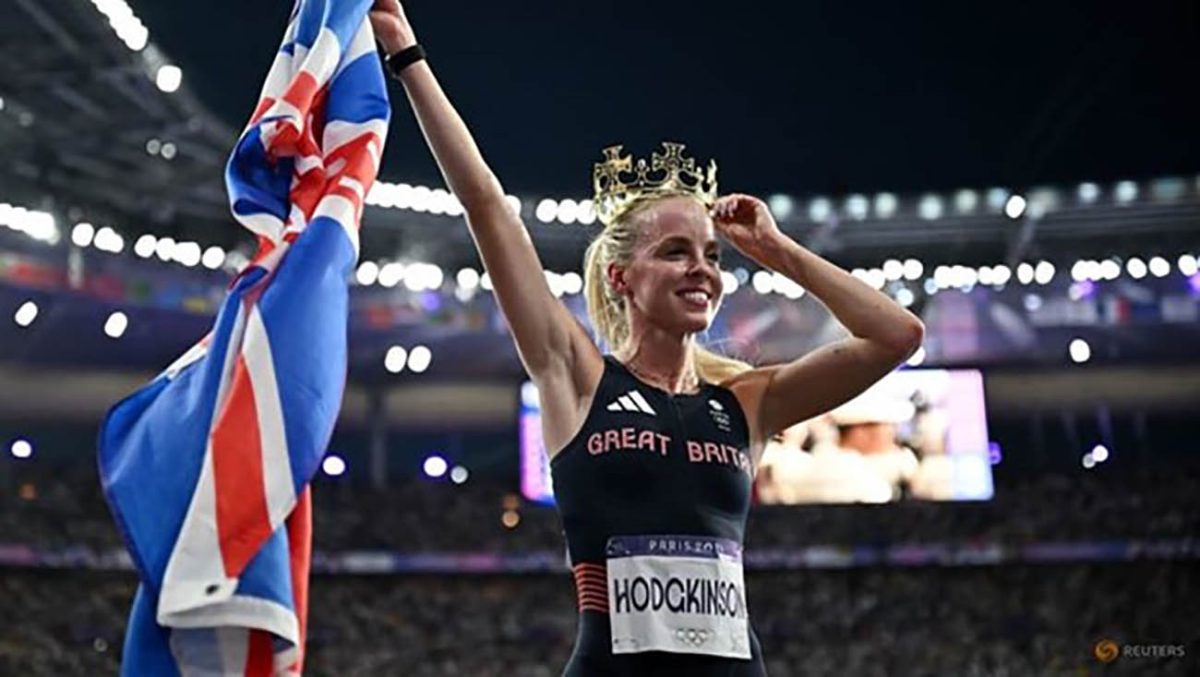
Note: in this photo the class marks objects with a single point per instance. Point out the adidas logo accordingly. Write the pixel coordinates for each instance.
(632, 401)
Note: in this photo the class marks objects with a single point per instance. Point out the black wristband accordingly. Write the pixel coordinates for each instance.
(406, 57)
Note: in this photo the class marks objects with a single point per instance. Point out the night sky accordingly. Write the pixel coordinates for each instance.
(803, 97)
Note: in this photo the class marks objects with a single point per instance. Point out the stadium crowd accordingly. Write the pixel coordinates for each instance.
(62, 510)
(997, 621)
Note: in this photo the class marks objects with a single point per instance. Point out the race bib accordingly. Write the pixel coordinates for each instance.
(683, 594)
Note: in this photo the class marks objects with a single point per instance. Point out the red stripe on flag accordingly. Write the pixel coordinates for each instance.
(299, 526)
(260, 658)
(243, 523)
(263, 107)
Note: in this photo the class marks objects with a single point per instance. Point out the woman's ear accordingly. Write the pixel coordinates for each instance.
(616, 279)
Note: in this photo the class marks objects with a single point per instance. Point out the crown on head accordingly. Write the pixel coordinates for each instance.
(620, 182)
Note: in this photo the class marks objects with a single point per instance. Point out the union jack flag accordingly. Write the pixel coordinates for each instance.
(207, 467)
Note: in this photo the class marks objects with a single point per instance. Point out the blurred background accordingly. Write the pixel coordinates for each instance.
(1024, 176)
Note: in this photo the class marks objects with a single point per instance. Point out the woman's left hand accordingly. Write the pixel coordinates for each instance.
(746, 222)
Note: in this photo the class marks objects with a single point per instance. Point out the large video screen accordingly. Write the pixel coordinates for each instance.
(918, 434)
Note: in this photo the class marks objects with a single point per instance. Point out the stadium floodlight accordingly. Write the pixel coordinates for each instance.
(965, 201)
(213, 257)
(893, 270)
(573, 283)
(586, 216)
(1136, 268)
(1188, 265)
(467, 279)
(819, 209)
(21, 448)
(1080, 351)
(367, 273)
(781, 206)
(913, 270)
(169, 78)
(918, 358)
(930, 207)
(1088, 192)
(1159, 267)
(145, 246)
(82, 234)
(905, 297)
(857, 207)
(1126, 192)
(459, 474)
(390, 274)
(729, 282)
(1025, 273)
(419, 359)
(1100, 453)
(886, 205)
(334, 465)
(395, 359)
(547, 211)
(116, 324)
(1015, 207)
(1044, 272)
(763, 282)
(26, 314)
(435, 466)
(568, 212)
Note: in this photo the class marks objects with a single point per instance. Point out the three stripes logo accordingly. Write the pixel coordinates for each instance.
(632, 401)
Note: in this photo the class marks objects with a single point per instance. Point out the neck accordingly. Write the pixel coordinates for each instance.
(664, 360)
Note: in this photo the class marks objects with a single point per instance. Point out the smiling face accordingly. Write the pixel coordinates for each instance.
(673, 280)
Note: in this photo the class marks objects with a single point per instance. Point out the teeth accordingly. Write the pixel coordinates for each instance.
(696, 296)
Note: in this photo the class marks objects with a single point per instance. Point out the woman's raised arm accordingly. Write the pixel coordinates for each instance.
(556, 351)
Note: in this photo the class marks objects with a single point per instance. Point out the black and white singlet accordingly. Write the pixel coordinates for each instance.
(669, 477)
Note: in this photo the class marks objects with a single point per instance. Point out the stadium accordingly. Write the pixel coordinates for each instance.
(1019, 497)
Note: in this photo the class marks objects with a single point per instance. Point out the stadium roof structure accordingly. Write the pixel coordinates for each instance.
(95, 125)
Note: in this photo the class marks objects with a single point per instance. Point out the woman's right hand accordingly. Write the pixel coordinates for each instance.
(391, 26)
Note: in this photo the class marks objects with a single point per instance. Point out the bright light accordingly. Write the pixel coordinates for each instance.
(145, 246)
(1136, 268)
(893, 270)
(819, 209)
(876, 278)
(572, 282)
(781, 206)
(1089, 461)
(729, 282)
(116, 324)
(857, 207)
(913, 270)
(1081, 270)
(391, 274)
(188, 254)
(547, 211)
(394, 360)
(510, 519)
(1001, 274)
(213, 258)
(1100, 453)
(107, 240)
(485, 282)
(930, 208)
(459, 474)
(885, 205)
(164, 249)
(82, 234)
(787, 287)
(1188, 265)
(419, 359)
(124, 23)
(514, 203)
(905, 297)
(1109, 270)
(1044, 272)
(1088, 192)
(965, 201)
(918, 358)
(586, 213)
(169, 78)
(333, 465)
(26, 314)
(153, 147)
(467, 278)
(435, 466)
(169, 150)
(1127, 191)
(568, 212)
(21, 448)
(1159, 267)
(1015, 207)
(763, 282)
(1025, 273)
(367, 273)
(1080, 351)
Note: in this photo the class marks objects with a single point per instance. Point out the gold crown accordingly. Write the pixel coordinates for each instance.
(619, 182)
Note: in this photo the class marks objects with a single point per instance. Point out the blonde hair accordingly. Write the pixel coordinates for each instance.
(606, 307)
